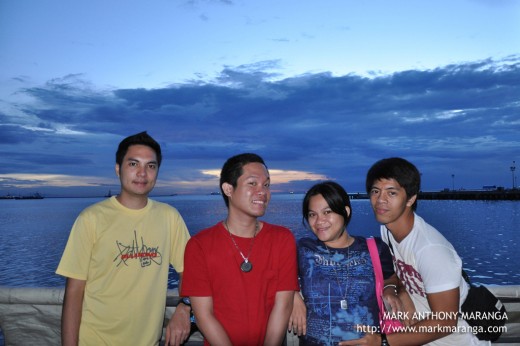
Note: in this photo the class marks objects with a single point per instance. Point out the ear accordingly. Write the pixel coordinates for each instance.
(348, 210)
(117, 169)
(227, 188)
(411, 201)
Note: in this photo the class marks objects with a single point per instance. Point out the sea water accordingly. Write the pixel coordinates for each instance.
(33, 233)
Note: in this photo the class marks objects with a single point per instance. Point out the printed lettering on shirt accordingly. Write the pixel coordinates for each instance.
(137, 250)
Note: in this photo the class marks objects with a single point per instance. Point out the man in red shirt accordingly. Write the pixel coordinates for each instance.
(241, 273)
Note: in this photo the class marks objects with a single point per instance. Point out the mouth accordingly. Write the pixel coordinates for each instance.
(321, 230)
(380, 211)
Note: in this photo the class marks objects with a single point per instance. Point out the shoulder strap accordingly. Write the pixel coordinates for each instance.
(390, 247)
(378, 271)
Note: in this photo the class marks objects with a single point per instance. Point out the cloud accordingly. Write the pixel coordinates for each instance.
(56, 180)
(460, 118)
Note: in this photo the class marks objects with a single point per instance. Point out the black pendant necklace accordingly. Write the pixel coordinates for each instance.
(246, 266)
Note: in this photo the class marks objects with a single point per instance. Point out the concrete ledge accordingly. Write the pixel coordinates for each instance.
(33, 315)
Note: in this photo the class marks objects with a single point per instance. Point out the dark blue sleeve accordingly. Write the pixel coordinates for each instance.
(386, 258)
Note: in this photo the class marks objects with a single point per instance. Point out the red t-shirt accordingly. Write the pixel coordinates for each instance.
(242, 302)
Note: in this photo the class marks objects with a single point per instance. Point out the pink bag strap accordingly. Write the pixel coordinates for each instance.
(378, 272)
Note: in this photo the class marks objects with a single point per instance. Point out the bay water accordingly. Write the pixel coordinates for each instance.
(33, 233)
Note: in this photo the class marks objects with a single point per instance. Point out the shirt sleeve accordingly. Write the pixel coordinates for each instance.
(440, 268)
(195, 278)
(180, 237)
(75, 260)
(289, 265)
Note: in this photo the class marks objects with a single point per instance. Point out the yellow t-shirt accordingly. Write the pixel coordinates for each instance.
(124, 256)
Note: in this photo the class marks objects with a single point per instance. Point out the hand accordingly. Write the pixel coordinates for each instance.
(298, 318)
(408, 308)
(391, 298)
(179, 326)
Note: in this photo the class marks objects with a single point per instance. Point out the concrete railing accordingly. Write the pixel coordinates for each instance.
(33, 315)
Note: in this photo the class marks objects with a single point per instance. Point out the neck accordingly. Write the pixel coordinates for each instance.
(345, 240)
(138, 202)
(242, 229)
(402, 227)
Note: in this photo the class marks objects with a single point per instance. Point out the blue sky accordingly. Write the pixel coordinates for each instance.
(320, 89)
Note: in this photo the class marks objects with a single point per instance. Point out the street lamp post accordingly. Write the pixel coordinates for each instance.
(453, 182)
(513, 168)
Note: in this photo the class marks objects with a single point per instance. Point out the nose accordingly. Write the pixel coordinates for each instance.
(263, 190)
(320, 218)
(380, 198)
(141, 171)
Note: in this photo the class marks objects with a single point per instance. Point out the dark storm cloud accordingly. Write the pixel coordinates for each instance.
(454, 119)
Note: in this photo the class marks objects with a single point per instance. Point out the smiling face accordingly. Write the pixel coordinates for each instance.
(391, 205)
(327, 225)
(252, 193)
(137, 173)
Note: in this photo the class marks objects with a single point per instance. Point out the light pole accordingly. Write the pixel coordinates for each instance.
(453, 182)
(513, 168)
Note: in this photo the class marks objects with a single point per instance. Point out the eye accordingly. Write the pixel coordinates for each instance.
(374, 191)
(132, 164)
(152, 166)
(311, 215)
(327, 211)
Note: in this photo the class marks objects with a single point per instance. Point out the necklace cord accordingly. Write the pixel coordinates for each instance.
(343, 296)
(246, 259)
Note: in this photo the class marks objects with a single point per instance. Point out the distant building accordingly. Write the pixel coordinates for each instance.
(489, 187)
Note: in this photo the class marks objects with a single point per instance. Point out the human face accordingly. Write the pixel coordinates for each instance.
(391, 205)
(252, 193)
(138, 171)
(327, 225)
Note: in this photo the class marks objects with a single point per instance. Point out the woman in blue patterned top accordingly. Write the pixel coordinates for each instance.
(335, 271)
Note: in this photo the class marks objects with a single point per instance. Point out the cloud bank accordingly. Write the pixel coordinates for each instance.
(460, 119)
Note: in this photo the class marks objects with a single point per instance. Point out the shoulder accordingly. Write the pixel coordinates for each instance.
(428, 235)
(380, 243)
(362, 243)
(101, 205)
(308, 242)
(162, 206)
(208, 233)
(276, 230)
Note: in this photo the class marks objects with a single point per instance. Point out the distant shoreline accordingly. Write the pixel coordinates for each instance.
(487, 195)
(494, 195)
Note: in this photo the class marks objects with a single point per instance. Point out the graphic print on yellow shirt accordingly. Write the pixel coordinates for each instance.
(137, 250)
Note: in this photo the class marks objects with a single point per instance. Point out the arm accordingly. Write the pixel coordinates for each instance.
(390, 292)
(446, 301)
(71, 311)
(298, 319)
(279, 317)
(179, 326)
(208, 324)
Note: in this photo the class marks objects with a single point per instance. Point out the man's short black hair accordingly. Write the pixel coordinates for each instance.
(141, 138)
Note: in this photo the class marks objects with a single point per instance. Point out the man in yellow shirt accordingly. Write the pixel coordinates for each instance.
(117, 259)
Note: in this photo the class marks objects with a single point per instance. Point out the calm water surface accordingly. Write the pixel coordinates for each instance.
(33, 233)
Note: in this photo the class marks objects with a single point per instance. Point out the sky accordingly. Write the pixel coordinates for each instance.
(320, 89)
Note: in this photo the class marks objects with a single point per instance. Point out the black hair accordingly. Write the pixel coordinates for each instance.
(399, 169)
(141, 138)
(233, 169)
(335, 196)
